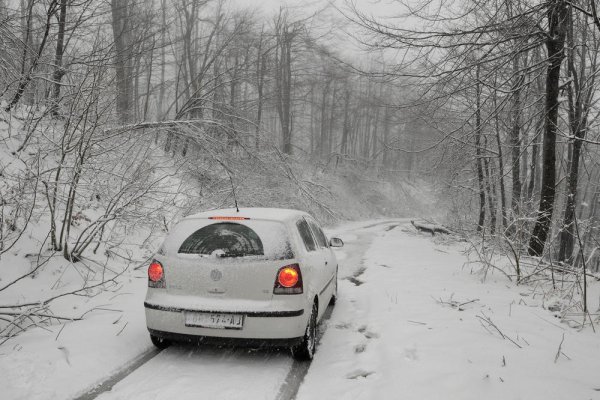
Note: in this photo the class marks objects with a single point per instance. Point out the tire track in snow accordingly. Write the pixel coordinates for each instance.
(299, 369)
(117, 377)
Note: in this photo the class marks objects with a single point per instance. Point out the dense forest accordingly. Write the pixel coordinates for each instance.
(99, 89)
(511, 90)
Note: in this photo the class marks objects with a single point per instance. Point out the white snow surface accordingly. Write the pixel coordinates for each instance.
(415, 329)
(410, 323)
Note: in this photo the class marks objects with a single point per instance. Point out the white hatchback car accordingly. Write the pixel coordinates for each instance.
(257, 275)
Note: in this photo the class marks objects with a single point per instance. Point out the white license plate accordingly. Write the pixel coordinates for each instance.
(214, 320)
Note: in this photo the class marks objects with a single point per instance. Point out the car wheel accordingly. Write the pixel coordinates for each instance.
(159, 342)
(306, 350)
(334, 295)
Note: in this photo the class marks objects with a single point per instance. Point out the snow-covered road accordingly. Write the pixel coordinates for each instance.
(187, 371)
(412, 321)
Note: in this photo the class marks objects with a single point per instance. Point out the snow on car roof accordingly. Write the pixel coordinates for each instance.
(275, 214)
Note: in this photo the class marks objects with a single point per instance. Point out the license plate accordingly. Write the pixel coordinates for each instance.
(214, 320)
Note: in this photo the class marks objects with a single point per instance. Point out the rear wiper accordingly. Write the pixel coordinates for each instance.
(227, 255)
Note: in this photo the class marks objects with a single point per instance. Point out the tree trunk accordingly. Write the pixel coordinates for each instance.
(323, 128)
(331, 120)
(283, 81)
(58, 58)
(261, 71)
(163, 49)
(490, 189)
(515, 138)
(555, 43)
(579, 94)
(478, 158)
(500, 164)
(386, 137)
(124, 86)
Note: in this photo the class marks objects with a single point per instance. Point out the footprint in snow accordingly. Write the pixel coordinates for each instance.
(357, 282)
(360, 348)
(343, 325)
(65, 352)
(359, 373)
(359, 272)
(366, 333)
(410, 354)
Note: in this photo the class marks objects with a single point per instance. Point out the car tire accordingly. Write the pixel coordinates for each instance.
(334, 295)
(159, 342)
(305, 351)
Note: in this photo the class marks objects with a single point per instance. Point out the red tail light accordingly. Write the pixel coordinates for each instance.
(288, 280)
(288, 277)
(156, 275)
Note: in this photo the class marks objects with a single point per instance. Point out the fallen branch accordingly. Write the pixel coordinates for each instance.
(559, 351)
(430, 228)
(490, 324)
(39, 315)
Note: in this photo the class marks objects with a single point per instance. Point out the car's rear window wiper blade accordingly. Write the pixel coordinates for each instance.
(227, 255)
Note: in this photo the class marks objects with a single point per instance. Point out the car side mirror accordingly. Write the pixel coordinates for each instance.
(336, 242)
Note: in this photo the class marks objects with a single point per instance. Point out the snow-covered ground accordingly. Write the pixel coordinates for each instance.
(411, 322)
(420, 326)
(64, 360)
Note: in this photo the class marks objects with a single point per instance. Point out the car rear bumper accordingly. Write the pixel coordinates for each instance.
(286, 325)
(227, 341)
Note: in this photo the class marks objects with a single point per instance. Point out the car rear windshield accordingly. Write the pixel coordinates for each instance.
(263, 239)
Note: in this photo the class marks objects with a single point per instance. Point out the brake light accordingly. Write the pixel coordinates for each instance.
(229, 218)
(288, 277)
(156, 275)
(288, 280)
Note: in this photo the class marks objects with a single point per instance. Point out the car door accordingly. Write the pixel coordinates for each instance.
(328, 262)
(312, 259)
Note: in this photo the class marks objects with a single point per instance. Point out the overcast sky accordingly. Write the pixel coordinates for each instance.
(330, 25)
(382, 8)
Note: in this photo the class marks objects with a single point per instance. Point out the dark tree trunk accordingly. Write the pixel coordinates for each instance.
(478, 157)
(490, 189)
(533, 165)
(500, 166)
(555, 43)
(579, 94)
(515, 138)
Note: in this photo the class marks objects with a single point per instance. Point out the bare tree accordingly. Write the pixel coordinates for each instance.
(286, 34)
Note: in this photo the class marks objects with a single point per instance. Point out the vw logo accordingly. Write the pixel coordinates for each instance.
(216, 275)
